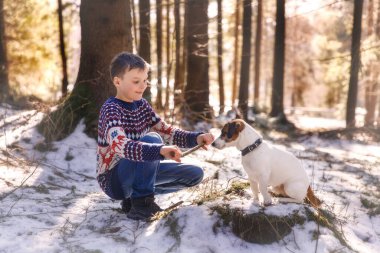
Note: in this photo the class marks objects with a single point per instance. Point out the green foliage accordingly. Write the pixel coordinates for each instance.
(32, 41)
(335, 58)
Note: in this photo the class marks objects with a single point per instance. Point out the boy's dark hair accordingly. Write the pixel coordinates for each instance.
(126, 61)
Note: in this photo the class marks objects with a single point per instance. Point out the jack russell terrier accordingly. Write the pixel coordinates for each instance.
(267, 165)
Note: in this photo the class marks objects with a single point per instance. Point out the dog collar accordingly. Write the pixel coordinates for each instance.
(251, 147)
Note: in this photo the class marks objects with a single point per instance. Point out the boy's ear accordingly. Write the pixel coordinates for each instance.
(116, 80)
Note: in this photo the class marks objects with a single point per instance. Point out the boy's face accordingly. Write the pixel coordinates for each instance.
(132, 85)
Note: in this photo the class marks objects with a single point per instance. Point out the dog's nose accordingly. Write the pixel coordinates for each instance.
(213, 144)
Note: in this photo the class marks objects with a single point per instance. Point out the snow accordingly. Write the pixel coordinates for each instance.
(51, 202)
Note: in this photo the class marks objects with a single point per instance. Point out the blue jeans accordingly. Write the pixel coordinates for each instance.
(140, 179)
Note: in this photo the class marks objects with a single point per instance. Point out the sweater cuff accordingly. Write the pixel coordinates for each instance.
(151, 152)
(192, 138)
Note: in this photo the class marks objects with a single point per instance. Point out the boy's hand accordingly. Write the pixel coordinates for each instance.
(171, 152)
(205, 139)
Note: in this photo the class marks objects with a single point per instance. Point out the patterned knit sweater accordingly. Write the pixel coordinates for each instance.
(121, 125)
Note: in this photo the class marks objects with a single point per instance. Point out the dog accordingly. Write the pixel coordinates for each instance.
(267, 165)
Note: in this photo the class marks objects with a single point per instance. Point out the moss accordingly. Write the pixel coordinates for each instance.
(238, 187)
(257, 227)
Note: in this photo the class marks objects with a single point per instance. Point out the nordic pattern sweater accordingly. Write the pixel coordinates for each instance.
(121, 125)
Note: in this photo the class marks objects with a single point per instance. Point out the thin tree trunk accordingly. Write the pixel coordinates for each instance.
(183, 67)
(159, 54)
(168, 60)
(355, 63)
(4, 83)
(144, 49)
(134, 25)
(178, 82)
(62, 49)
(371, 84)
(236, 52)
(245, 59)
(258, 53)
(220, 58)
(279, 63)
(377, 36)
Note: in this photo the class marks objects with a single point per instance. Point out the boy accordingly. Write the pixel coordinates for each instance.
(131, 146)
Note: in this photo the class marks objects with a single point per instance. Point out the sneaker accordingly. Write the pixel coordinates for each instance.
(143, 208)
(126, 205)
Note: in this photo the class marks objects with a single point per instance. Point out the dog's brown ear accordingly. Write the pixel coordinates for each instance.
(240, 125)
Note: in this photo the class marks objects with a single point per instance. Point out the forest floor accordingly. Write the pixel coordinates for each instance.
(50, 200)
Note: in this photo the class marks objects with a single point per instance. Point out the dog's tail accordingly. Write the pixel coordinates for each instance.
(310, 196)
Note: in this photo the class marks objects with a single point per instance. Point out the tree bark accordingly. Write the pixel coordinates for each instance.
(134, 19)
(197, 88)
(220, 58)
(4, 82)
(144, 48)
(236, 52)
(159, 54)
(183, 67)
(178, 79)
(279, 63)
(371, 88)
(105, 32)
(258, 53)
(168, 60)
(62, 50)
(245, 59)
(355, 64)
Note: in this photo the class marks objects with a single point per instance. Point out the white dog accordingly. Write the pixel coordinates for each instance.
(267, 165)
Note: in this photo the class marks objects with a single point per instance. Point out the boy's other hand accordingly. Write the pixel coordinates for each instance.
(171, 152)
(205, 139)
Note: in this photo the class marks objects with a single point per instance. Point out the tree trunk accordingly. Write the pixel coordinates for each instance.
(178, 80)
(371, 84)
(197, 88)
(159, 54)
(144, 49)
(105, 32)
(134, 19)
(236, 52)
(245, 59)
(62, 50)
(168, 60)
(220, 58)
(355, 63)
(377, 36)
(279, 63)
(258, 53)
(4, 85)
(183, 67)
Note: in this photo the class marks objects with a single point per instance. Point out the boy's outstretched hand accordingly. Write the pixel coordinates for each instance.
(205, 139)
(171, 152)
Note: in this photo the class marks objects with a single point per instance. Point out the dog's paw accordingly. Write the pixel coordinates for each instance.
(268, 203)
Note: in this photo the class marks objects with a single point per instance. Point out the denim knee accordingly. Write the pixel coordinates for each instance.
(197, 176)
(152, 137)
